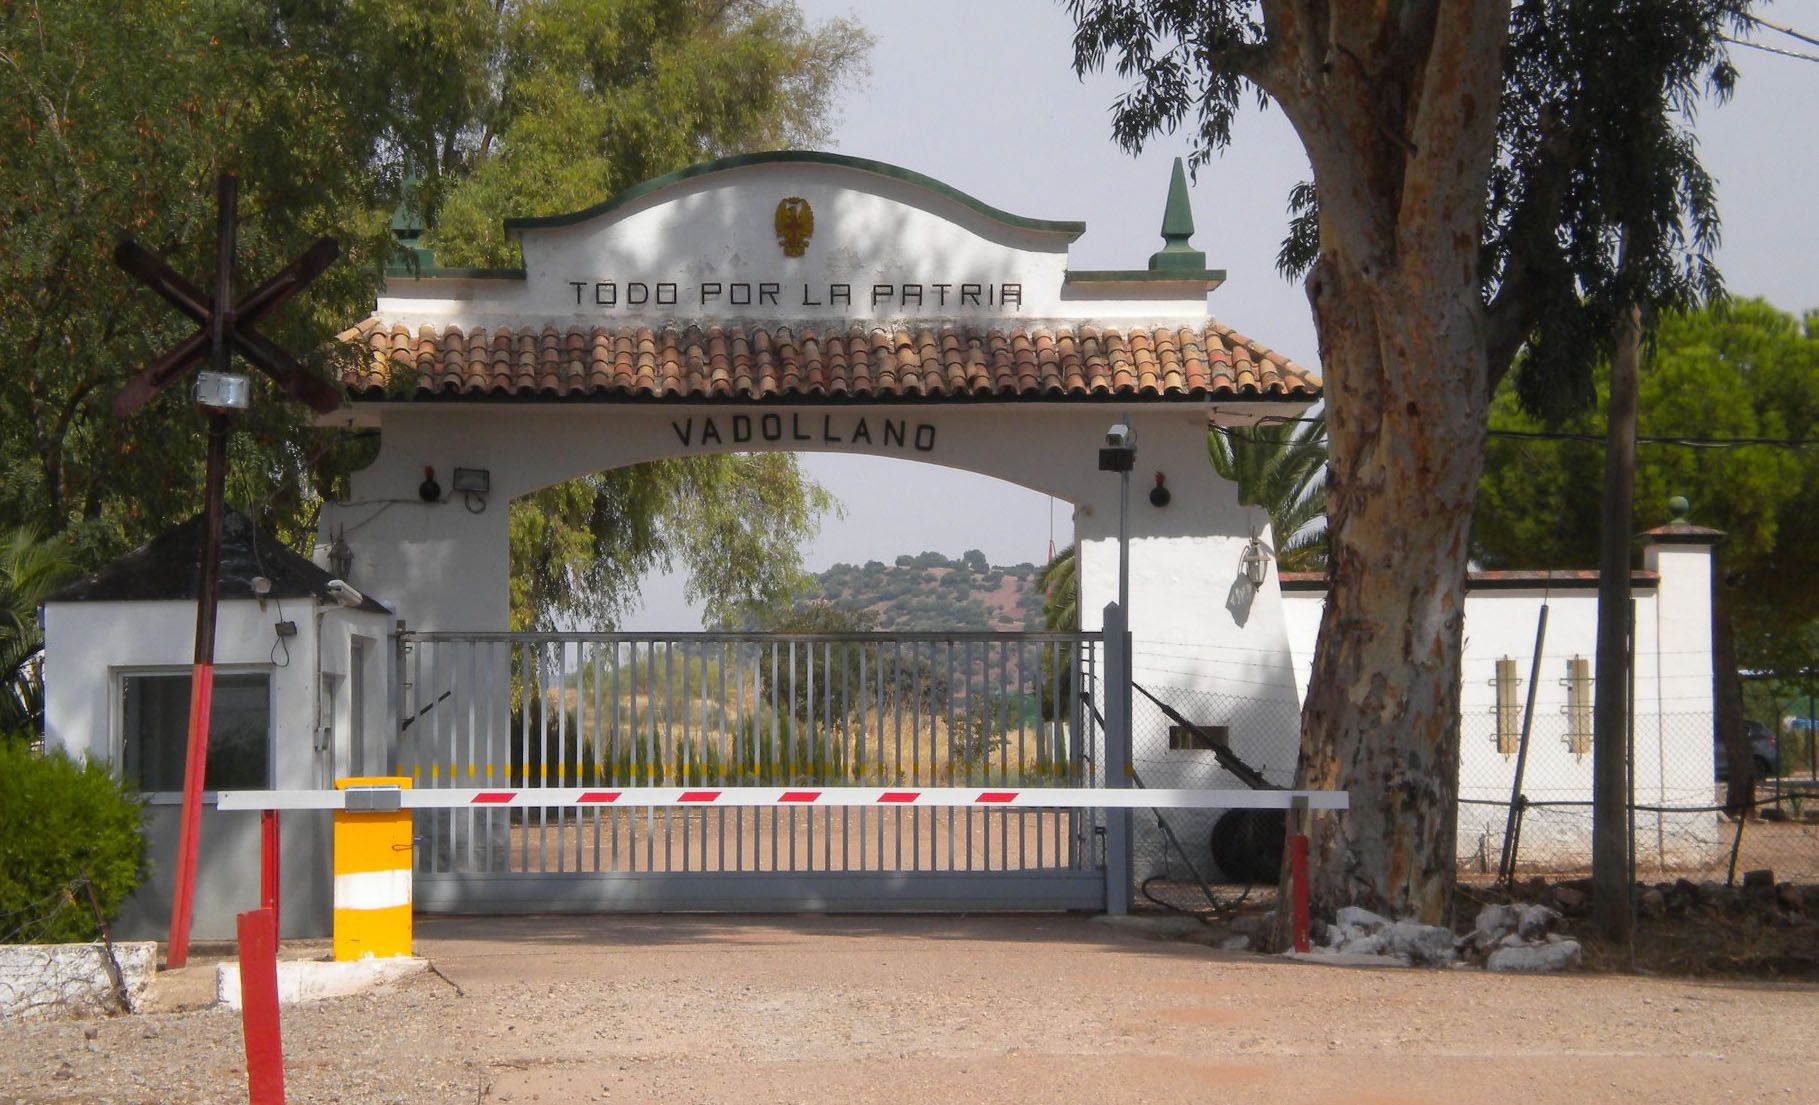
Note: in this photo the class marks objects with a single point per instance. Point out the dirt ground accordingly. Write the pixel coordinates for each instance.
(753, 1010)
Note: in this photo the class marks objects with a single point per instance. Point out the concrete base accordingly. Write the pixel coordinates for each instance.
(315, 979)
(57, 980)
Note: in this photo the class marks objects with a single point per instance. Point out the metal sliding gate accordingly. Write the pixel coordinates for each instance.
(728, 710)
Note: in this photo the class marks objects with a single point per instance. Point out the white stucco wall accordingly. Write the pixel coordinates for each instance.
(1673, 711)
(705, 238)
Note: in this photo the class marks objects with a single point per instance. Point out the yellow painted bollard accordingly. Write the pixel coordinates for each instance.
(372, 878)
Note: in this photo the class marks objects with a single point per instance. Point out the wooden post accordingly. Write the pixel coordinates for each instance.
(202, 678)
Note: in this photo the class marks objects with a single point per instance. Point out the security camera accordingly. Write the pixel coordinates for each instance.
(342, 593)
(1120, 451)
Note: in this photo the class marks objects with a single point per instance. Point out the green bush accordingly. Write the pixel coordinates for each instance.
(59, 822)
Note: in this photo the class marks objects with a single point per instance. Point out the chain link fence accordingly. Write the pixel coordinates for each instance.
(1680, 830)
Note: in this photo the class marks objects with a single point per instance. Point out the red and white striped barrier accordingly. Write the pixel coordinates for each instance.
(374, 798)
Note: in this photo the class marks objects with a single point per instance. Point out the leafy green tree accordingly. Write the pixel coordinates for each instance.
(1280, 467)
(119, 116)
(1744, 370)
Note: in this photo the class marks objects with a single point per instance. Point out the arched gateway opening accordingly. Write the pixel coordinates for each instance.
(798, 301)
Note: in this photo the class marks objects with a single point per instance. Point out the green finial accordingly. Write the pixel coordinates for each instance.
(1678, 506)
(1177, 228)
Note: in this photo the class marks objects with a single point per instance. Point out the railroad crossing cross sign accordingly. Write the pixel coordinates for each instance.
(223, 329)
(233, 326)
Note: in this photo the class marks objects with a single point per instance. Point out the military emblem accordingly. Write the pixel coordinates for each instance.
(795, 224)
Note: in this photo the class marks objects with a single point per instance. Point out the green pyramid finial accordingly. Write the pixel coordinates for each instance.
(1177, 228)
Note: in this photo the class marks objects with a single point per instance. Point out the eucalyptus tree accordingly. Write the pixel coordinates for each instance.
(1474, 165)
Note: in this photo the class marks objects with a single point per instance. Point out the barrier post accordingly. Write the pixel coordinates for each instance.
(1117, 759)
(268, 864)
(1298, 880)
(372, 878)
(258, 932)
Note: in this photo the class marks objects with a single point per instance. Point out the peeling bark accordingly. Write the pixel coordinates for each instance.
(1401, 140)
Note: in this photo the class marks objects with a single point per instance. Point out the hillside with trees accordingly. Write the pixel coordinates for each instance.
(930, 593)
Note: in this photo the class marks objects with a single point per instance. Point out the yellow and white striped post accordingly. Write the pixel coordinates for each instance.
(372, 878)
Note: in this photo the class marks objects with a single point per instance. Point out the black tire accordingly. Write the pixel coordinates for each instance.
(1764, 769)
(1247, 844)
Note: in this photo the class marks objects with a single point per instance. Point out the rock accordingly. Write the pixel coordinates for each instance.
(1760, 879)
(1535, 957)
(1536, 920)
(1424, 945)
(1571, 900)
(1372, 944)
(1789, 899)
(1497, 919)
(1651, 903)
(1512, 941)
(1358, 918)
(1238, 943)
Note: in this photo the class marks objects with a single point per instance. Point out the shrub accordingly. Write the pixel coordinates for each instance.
(59, 822)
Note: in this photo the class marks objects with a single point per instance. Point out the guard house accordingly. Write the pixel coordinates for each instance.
(300, 698)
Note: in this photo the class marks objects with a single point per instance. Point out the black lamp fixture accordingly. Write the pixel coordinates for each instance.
(340, 559)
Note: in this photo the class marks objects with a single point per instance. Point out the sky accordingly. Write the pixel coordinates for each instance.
(982, 96)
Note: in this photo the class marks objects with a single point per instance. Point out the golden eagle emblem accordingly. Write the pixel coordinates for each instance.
(795, 224)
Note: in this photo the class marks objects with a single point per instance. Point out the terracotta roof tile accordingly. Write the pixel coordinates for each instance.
(755, 361)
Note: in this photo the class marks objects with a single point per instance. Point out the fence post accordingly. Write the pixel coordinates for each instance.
(1117, 759)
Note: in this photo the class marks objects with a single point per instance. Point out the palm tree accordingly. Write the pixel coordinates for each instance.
(31, 568)
(1277, 466)
(1280, 467)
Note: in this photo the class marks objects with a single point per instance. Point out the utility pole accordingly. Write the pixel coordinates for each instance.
(1610, 832)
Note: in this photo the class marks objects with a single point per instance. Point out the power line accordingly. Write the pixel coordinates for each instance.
(1770, 49)
(1687, 441)
(1789, 31)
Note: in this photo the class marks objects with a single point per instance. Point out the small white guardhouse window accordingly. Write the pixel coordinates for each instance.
(155, 722)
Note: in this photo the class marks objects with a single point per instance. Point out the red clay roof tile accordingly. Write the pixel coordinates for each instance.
(854, 361)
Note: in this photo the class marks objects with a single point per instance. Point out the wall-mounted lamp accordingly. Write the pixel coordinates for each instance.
(473, 483)
(1160, 494)
(340, 559)
(1255, 561)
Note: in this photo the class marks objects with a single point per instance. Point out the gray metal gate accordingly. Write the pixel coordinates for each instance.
(724, 709)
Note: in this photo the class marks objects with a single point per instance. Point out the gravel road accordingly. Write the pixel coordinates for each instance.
(933, 1009)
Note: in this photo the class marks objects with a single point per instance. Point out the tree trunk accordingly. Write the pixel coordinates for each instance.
(1406, 424)
(1727, 708)
(1610, 697)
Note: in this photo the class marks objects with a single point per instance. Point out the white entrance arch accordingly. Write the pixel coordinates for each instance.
(812, 302)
